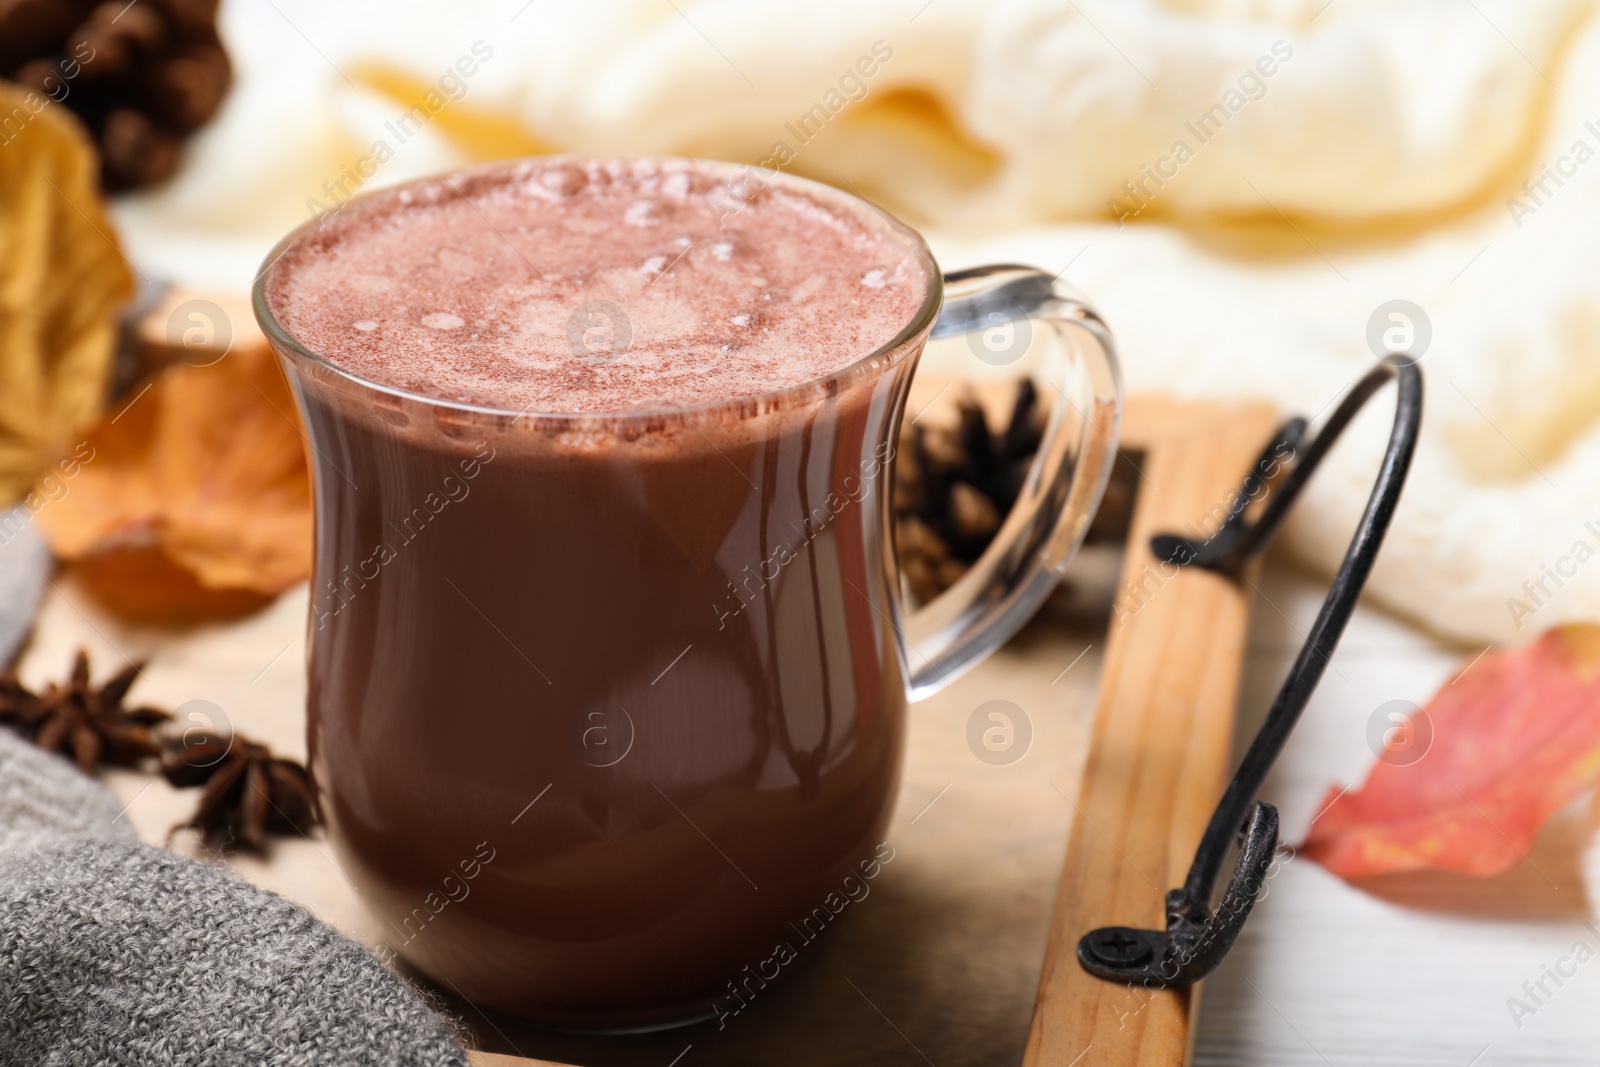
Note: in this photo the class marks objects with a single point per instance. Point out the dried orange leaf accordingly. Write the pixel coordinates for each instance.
(204, 465)
(1514, 738)
(62, 279)
(142, 585)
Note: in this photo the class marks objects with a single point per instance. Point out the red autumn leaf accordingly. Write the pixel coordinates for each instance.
(1514, 738)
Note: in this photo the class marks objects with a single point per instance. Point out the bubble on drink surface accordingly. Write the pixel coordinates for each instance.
(653, 265)
(740, 320)
(723, 251)
(549, 185)
(365, 325)
(443, 320)
(367, 282)
(640, 213)
(874, 279)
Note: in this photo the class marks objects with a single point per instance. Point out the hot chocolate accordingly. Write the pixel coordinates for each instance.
(589, 286)
(606, 697)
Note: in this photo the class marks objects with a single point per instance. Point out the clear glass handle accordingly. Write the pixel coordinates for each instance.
(1012, 578)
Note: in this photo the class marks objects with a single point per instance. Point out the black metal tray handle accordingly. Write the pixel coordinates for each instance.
(1197, 938)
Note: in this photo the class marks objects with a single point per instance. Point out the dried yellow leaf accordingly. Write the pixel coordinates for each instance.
(62, 280)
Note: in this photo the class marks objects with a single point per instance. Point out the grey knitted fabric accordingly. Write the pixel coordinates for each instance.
(45, 800)
(25, 563)
(113, 952)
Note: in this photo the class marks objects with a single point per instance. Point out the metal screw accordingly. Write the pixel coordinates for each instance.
(1119, 946)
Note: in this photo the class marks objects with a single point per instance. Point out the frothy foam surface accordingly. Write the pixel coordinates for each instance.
(597, 286)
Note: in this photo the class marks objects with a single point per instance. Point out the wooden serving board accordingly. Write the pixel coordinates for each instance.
(965, 950)
(1163, 731)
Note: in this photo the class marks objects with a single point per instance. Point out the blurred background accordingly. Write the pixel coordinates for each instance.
(1259, 196)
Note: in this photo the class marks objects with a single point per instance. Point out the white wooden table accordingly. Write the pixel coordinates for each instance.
(1417, 969)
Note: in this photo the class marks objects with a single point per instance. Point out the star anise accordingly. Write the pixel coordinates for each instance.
(248, 792)
(91, 725)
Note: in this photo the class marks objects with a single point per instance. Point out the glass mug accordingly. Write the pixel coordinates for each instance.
(602, 709)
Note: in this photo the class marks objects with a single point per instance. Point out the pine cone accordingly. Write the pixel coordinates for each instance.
(141, 76)
(953, 486)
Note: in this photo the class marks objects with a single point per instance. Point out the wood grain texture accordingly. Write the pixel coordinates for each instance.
(1161, 742)
(494, 1059)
